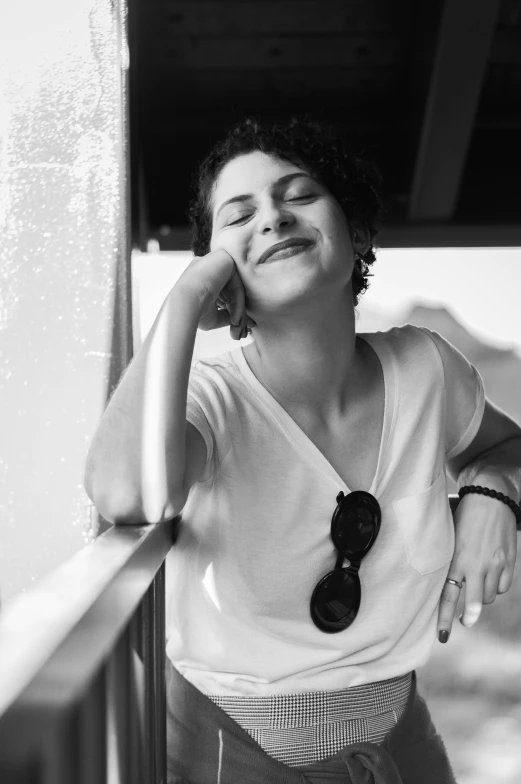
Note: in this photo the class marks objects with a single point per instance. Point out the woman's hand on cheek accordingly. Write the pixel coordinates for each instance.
(214, 281)
(233, 299)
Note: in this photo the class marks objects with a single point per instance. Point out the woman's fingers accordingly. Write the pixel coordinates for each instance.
(505, 580)
(497, 581)
(474, 594)
(236, 303)
(479, 590)
(448, 602)
(490, 586)
(474, 587)
(222, 318)
(233, 298)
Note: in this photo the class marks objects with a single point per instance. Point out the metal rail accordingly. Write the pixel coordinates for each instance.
(82, 661)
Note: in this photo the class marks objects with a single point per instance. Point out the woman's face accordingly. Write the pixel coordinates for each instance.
(260, 201)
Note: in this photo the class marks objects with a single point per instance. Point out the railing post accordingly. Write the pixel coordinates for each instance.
(159, 668)
(61, 748)
(93, 733)
(155, 689)
(137, 719)
(118, 712)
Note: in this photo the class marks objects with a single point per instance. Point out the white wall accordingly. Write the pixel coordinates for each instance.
(63, 230)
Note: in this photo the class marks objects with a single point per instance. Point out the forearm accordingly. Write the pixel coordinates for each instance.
(498, 468)
(136, 463)
(486, 540)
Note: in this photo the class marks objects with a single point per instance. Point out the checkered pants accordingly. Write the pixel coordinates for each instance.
(299, 729)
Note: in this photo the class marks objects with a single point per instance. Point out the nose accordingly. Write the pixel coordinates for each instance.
(273, 216)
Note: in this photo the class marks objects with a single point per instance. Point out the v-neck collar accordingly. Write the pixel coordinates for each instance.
(305, 444)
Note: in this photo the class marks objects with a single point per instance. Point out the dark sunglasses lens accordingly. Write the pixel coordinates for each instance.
(336, 600)
(356, 525)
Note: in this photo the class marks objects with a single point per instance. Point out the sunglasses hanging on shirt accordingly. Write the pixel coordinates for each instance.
(354, 527)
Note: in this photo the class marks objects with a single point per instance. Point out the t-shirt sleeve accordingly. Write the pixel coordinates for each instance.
(205, 410)
(464, 396)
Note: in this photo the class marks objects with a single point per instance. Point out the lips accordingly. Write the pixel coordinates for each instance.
(294, 242)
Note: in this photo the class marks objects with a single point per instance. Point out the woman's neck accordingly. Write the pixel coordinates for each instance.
(311, 360)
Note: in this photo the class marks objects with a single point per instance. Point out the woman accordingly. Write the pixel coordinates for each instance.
(309, 465)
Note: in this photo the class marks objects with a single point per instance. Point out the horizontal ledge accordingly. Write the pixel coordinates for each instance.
(82, 606)
(450, 235)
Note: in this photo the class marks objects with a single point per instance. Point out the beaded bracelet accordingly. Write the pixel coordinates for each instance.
(493, 494)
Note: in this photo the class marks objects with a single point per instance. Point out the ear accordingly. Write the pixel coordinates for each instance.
(360, 239)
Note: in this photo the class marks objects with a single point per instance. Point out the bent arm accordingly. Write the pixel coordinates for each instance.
(493, 459)
(144, 455)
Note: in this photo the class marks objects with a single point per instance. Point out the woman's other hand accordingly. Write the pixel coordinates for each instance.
(486, 532)
(484, 558)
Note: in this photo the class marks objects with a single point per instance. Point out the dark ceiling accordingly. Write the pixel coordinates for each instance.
(431, 90)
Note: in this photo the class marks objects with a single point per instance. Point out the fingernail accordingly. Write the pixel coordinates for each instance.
(444, 635)
(471, 615)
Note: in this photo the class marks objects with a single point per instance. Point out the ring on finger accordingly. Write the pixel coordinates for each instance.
(454, 582)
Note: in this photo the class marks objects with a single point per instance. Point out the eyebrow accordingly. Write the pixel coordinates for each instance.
(281, 181)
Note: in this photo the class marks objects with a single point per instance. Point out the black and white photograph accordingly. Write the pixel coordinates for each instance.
(260, 392)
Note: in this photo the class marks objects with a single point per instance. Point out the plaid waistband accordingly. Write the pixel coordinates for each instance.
(310, 709)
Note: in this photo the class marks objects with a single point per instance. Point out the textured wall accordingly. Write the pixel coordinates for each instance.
(63, 236)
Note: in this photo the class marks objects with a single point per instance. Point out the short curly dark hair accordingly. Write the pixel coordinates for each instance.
(324, 151)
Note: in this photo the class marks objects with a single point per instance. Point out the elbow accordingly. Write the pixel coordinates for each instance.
(122, 506)
(139, 514)
(116, 508)
(122, 501)
(116, 504)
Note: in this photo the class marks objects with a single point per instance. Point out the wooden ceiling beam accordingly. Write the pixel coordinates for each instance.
(212, 122)
(210, 96)
(254, 18)
(275, 52)
(464, 42)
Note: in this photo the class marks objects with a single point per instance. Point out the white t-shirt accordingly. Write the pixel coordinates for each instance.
(255, 534)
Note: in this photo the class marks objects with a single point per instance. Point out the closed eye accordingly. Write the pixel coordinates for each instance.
(239, 220)
(247, 215)
(304, 196)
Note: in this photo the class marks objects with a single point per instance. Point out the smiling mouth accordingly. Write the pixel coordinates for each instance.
(285, 249)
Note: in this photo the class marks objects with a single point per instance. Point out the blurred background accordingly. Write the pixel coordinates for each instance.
(106, 107)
